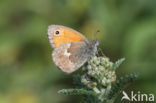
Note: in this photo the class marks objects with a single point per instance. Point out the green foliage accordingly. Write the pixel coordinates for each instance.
(121, 84)
(98, 83)
(76, 92)
(117, 64)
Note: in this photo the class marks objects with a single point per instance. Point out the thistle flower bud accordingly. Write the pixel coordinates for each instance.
(92, 84)
(84, 80)
(89, 67)
(98, 75)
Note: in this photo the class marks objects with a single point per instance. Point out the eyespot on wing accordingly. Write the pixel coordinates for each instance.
(65, 35)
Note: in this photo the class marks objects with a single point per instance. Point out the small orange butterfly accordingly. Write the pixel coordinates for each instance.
(71, 48)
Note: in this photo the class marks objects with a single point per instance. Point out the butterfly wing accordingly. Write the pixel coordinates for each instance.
(70, 56)
(71, 48)
(59, 35)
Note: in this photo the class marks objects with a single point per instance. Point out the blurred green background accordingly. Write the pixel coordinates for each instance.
(27, 72)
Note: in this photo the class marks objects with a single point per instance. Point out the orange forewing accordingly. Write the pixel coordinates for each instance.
(66, 35)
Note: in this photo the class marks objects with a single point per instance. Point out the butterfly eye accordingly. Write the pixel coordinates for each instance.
(57, 32)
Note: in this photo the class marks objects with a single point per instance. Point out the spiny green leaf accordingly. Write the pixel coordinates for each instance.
(121, 83)
(117, 64)
(76, 92)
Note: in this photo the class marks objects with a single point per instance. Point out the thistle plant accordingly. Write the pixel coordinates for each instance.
(98, 82)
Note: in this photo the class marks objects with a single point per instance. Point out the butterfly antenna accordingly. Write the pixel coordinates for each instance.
(97, 31)
(93, 30)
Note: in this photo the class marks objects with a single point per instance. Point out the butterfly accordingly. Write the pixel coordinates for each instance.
(71, 49)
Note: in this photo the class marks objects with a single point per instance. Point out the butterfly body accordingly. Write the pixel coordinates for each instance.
(71, 48)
